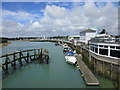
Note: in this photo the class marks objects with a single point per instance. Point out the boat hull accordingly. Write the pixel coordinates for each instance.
(71, 59)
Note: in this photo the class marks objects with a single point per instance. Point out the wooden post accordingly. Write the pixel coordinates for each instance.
(27, 55)
(38, 53)
(6, 62)
(41, 54)
(14, 60)
(24, 57)
(20, 58)
(34, 54)
(3, 68)
(47, 57)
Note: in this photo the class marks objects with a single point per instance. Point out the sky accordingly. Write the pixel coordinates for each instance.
(38, 19)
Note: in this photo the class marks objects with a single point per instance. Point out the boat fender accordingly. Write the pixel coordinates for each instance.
(82, 75)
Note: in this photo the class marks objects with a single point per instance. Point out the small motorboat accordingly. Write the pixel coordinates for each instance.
(65, 45)
(70, 58)
(67, 49)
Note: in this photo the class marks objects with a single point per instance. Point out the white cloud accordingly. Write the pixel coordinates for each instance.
(55, 11)
(20, 15)
(61, 21)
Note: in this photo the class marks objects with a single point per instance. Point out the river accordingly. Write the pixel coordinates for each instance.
(56, 74)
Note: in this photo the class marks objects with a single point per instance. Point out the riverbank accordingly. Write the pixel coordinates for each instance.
(5, 44)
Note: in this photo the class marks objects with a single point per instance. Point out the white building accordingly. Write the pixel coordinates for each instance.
(86, 35)
(106, 46)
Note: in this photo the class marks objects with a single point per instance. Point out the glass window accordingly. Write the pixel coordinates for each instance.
(103, 51)
(100, 45)
(96, 50)
(117, 47)
(105, 46)
(96, 45)
(92, 49)
(115, 53)
(112, 46)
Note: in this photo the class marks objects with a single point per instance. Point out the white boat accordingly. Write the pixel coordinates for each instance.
(65, 45)
(70, 58)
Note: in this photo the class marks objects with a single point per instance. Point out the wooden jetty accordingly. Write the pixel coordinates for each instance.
(23, 56)
(88, 76)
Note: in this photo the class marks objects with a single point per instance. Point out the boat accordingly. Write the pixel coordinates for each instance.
(67, 49)
(70, 58)
(65, 45)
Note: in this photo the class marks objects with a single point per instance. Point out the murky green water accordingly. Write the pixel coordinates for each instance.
(56, 74)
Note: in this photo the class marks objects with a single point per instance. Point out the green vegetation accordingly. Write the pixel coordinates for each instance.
(60, 37)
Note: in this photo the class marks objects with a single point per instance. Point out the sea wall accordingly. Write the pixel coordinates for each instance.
(100, 65)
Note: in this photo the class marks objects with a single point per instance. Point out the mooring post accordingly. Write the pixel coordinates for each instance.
(38, 53)
(28, 55)
(34, 54)
(46, 56)
(14, 61)
(3, 68)
(20, 59)
(47, 59)
(6, 62)
(41, 54)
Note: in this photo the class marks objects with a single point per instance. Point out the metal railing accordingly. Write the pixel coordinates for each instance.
(105, 40)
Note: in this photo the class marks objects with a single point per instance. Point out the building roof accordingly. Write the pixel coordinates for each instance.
(88, 30)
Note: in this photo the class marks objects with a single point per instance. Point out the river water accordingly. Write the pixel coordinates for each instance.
(56, 74)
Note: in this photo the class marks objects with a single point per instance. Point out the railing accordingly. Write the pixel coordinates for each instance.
(105, 40)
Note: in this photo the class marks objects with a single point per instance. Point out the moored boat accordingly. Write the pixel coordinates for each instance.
(65, 45)
(70, 58)
(67, 49)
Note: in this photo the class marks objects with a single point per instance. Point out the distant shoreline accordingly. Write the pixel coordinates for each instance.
(4, 44)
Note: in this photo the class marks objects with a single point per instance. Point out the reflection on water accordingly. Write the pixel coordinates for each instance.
(56, 74)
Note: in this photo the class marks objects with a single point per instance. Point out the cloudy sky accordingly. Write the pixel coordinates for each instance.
(57, 18)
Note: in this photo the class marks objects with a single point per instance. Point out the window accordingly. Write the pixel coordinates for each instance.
(100, 45)
(92, 49)
(115, 53)
(112, 46)
(96, 50)
(96, 45)
(103, 51)
(117, 47)
(105, 46)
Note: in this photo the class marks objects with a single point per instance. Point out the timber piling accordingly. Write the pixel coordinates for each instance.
(25, 55)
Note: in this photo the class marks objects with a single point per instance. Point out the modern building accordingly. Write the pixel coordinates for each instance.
(107, 46)
(87, 34)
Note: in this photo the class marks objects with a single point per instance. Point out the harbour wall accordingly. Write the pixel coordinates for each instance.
(105, 67)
